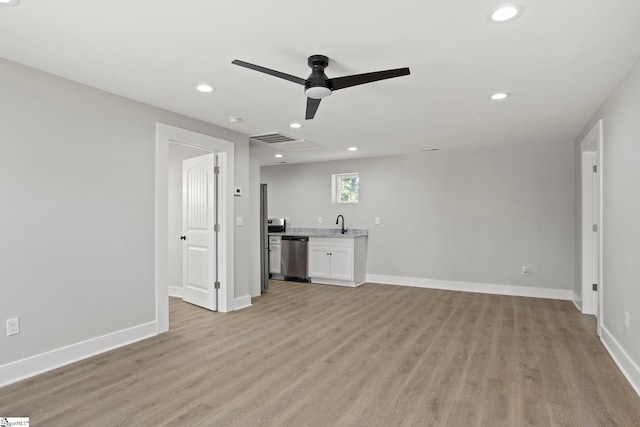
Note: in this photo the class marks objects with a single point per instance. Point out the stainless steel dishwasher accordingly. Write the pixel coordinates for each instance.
(294, 261)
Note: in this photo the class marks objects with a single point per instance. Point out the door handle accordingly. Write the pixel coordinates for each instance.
(183, 237)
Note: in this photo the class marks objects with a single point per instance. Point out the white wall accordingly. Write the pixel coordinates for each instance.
(77, 210)
(621, 226)
(577, 286)
(244, 238)
(464, 215)
(254, 249)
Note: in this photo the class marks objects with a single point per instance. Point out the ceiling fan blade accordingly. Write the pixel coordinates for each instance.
(358, 79)
(312, 107)
(270, 72)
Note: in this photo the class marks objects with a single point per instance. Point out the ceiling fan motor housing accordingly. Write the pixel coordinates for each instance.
(317, 85)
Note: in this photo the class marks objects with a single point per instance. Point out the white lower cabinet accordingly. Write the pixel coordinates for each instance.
(337, 260)
(275, 253)
(331, 262)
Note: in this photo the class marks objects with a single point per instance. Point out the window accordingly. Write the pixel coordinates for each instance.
(345, 188)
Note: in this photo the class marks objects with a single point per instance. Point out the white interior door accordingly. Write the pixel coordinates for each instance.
(199, 207)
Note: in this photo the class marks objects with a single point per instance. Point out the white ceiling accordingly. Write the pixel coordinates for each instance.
(560, 60)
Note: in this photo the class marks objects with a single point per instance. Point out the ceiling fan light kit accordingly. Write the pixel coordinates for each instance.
(318, 85)
(317, 92)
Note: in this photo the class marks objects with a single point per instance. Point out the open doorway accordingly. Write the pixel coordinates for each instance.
(167, 135)
(591, 219)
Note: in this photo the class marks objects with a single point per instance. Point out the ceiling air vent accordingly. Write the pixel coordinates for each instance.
(276, 139)
(272, 138)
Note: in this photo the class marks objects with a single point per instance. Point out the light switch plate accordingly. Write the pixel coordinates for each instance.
(239, 221)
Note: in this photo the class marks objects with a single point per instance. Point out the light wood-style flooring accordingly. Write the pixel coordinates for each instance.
(316, 355)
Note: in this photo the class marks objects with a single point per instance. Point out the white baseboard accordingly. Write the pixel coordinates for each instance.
(483, 288)
(336, 282)
(242, 302)
(578, 304)
(34, 365)
(627, 366)
(176, 291)
(239, 303)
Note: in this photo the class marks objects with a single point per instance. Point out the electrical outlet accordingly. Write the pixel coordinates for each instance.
(626, 320)
(13, 326)
(525, 270)
(319, 220)
(376, 220)
(239, 221)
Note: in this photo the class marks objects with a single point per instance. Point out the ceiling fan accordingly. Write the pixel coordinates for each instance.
(318, 85)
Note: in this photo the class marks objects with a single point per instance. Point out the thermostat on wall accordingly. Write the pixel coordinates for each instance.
(238, 191)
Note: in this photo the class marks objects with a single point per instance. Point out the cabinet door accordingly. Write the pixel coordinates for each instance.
(341, 263)
(274, 258)
(319, 261)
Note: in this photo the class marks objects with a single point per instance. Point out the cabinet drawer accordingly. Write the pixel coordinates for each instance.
(334, 242)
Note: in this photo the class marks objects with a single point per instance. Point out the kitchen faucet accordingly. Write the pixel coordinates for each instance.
(342, 229)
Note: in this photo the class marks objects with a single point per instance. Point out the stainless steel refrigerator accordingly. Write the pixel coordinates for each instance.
(264, 241)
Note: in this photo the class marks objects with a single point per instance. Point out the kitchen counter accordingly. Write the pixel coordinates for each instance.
(324, 232)
(333, 258)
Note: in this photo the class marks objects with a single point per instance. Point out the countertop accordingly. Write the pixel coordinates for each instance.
(324, 232)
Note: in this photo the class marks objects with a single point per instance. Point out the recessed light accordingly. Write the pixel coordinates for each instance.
(499, 96)
(9, 2)
(205, 88)
(279, 156)
(352, 148)
(234, 119)
(506, 13)
(295, 125)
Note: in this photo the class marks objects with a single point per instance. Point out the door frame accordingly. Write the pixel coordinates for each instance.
(591, 153)
(166, 134)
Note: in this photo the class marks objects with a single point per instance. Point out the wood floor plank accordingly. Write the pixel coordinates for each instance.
(315, 355)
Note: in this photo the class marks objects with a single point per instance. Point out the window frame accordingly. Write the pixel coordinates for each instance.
(336, 179)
